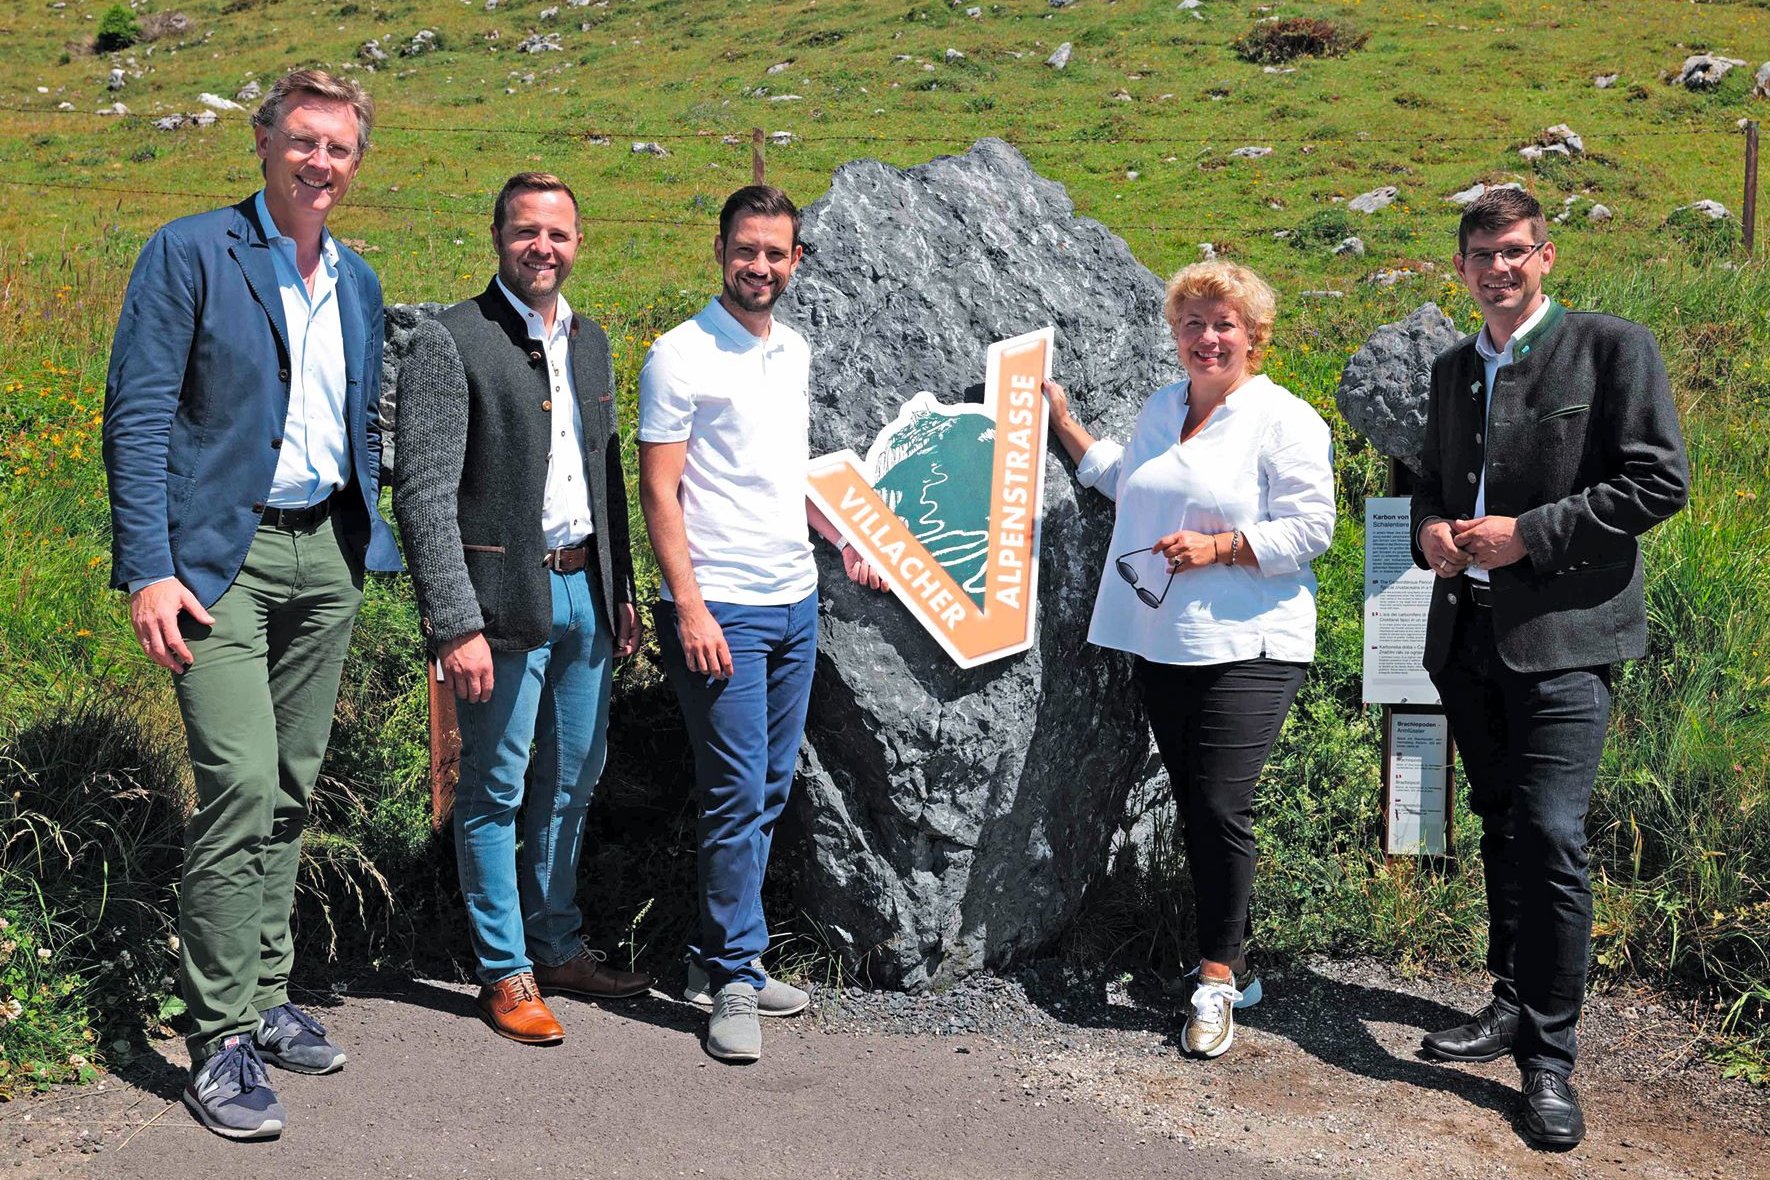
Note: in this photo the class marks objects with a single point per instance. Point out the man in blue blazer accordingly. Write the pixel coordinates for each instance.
(243, 454)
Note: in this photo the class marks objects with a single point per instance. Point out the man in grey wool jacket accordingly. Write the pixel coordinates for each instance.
(1551, 444)
(508, 490)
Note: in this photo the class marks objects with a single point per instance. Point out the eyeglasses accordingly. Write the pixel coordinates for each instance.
(1511, 255)
(1128, 572)
(301, 147)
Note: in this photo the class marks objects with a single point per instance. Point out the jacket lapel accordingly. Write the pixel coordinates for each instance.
(351, 322)
(252, 251)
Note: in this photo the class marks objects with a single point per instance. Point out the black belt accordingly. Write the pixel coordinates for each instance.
(1480, 593)
(294, 519)
(568, 560)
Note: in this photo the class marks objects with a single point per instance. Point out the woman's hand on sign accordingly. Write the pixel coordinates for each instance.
(1187, 550)
(861, 570)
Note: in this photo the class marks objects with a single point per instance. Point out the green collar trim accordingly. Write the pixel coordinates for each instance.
(1522, 345)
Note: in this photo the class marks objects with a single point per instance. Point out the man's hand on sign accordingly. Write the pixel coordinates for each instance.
(1439, 546)
(703, 642)
(1489, 541)
(1187, 550)
(860, 570)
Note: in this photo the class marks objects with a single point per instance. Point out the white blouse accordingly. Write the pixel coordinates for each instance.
(1262, 464)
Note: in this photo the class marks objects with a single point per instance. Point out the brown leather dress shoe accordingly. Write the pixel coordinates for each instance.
(514, 1008)
(589, 975)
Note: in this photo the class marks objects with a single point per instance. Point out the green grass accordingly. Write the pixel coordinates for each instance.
(1440, 96)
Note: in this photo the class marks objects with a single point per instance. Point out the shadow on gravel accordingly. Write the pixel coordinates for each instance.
(653, 1009)
(156, 1075)
(1326, 1018)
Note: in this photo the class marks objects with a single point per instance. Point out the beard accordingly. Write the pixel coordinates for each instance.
(755, 303)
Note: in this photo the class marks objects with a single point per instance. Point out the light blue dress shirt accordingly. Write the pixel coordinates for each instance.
(314, 460)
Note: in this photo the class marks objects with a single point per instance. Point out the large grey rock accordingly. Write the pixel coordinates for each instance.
(400, 319)
(1761, 82)
(1384, 386)
(956, 818)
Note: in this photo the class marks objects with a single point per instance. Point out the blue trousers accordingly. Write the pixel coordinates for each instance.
(1530, 744)
(554, 698)
(746, 733)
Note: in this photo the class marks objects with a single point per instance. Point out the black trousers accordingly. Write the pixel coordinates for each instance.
(1530, 744)
(1214, 725)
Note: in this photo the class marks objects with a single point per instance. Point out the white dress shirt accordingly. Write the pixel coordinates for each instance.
(1495, 360)
(314, 460)
(742, 404)
(1262, 463)
(565, 508)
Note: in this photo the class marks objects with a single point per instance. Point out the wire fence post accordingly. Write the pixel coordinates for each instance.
(1750, 214)
(756, 161)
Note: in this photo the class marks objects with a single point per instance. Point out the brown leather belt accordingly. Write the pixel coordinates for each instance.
(1480, 593)
(569, 560)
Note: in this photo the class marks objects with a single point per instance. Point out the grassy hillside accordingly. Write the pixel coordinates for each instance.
(1140, 128)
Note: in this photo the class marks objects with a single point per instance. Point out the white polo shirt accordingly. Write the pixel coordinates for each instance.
(742, 404)
(1260, 464)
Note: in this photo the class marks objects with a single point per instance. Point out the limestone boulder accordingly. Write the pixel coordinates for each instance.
(1384, 387)
(956, 818)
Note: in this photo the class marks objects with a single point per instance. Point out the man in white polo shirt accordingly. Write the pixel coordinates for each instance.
(723, 458)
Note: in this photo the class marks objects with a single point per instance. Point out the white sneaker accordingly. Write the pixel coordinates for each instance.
(1210, 1030)
(775, 999)
(1246, 981)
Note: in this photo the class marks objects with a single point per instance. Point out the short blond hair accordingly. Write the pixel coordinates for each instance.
(315, 83)
(1236, 285)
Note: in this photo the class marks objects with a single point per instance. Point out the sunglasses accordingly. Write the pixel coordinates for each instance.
(1128, 572)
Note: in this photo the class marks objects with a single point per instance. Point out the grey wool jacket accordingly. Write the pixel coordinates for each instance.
(470, 472)
(1581, 444)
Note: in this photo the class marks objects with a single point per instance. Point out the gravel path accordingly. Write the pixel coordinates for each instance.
(1043, 1072)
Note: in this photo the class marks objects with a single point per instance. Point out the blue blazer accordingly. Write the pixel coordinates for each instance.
(197, 395)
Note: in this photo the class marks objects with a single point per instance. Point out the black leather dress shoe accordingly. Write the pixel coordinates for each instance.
(1487, 1037)
(1552, 1117)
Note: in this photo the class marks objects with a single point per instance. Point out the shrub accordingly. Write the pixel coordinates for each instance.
(1274, 42)
(116, 30)
(1323, 228)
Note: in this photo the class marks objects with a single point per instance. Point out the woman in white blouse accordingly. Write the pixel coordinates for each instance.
(1225, 494)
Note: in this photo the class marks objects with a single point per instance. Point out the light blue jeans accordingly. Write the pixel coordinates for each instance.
(555, 698)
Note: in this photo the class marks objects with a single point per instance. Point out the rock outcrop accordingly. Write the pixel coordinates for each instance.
(957, 817)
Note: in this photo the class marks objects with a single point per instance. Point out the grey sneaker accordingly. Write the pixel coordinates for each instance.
(231, 1095)
(290, 1038)
(1211, 1028)
(733, 1032)
(777, 998)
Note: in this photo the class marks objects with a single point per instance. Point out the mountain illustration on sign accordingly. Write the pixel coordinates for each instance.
(932, 467)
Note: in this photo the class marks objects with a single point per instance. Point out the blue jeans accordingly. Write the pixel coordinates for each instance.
(746, 733)
(1530, 744)
(555, 697)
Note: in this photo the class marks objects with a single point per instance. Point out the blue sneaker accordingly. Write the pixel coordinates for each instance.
(290, 1038)
(231, 1095)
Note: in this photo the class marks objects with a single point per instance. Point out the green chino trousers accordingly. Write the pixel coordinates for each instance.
(257, 704)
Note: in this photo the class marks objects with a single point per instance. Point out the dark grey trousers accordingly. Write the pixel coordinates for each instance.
(1530, 744)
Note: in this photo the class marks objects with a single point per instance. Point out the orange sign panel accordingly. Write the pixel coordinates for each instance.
(947, 504)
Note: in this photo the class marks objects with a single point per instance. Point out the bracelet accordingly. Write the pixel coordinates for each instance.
(1234, 546)
(841, 544)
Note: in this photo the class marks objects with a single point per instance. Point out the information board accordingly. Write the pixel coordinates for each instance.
(1416, 783)
(1397, 594)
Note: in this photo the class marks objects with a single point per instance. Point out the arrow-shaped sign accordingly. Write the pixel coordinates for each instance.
(948, 502)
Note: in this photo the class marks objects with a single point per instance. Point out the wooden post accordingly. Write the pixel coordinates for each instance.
(756, 155)
(1751, 186)
(445, 749)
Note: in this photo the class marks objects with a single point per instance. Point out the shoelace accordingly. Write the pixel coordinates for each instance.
(524, 986)
(1211, 999)
(738, 1003)
(1542, 1080)
(239, 1063)
(300, 1018)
